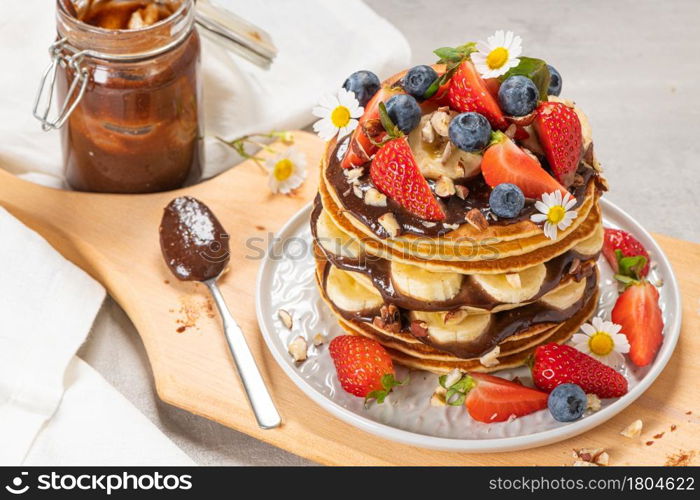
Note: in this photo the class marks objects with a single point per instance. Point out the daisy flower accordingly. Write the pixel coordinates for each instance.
(338, 114)
(498, 54)
(287, 170)
(555, 212)
(603, 341)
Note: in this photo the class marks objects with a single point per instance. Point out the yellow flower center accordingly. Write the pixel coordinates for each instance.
(556, 214)
(601, 343)
(283, 169)
(497, 58)
(340, 116)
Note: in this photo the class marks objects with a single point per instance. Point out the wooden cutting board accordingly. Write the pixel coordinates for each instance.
(115, 239)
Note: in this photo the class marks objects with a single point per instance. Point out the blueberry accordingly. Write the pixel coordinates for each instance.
(567, 402)
(470, 131)
(418, 79)
(364, 84)
(404, 111)
(518, 96)
(554, 81)
(506, 200)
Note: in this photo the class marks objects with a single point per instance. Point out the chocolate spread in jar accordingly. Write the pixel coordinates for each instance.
(136, 129)
(194, 243)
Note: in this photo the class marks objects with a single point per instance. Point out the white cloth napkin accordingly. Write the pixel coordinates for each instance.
(320, 43)
(47, 308)
(55, 409)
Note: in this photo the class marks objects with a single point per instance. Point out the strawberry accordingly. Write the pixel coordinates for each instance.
(637, 311)
(369, 130)
(504, 161)
(556, 364)
(628, 245)
(395, 173)
(559, 131)
(493, 399)
(364, 367)
(469, 92)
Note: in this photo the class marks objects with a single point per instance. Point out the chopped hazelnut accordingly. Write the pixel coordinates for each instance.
(444, 187)
(357, 191)
(583, 463)
(634, 430)
(389, 318)
(354, 173)
(440, 120)
(490, 359)
(446, 153)
(297, 348)
(438, 397)
(593, 402)
(462, 191)
(587, 457)
(374, 198)
(390, 224)
(286, 318)
(319, 339)
(427, 133)
(477, 219)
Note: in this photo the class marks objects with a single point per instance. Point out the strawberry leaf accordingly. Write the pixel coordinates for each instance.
(388, 383)
(536, 70)
(457, 392)
(630, 267)
(391, 129)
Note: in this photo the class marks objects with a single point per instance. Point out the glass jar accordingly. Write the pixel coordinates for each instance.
(129, 96)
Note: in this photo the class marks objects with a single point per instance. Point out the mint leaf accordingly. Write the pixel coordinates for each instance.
(536, 70)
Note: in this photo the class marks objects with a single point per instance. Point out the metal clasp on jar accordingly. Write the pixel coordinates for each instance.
(67, 56)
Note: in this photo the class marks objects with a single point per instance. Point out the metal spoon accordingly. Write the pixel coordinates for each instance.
(195, 247)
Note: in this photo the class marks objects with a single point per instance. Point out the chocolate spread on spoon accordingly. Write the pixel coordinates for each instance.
(194, 243)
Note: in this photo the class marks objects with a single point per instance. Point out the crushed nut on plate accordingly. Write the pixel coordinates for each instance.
(319, 339)
(634, 430)
(440, 120)
(462, 191)
(297, 348)
(593, 402)
(427, 133)
(286, 318)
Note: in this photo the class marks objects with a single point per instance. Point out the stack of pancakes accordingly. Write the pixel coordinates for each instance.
(453, 294)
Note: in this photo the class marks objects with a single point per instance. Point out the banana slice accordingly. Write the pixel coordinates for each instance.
(420, 284)
(593, 244)
(428, 156)
(347, 292)
(566, 295)
(465, 330)
(505, 288)
(334, 240)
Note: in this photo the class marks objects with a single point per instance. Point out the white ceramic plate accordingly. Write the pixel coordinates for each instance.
(286, 281)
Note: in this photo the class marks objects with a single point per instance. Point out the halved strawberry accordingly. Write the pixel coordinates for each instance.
(559, 131)
(616, 239)
(493, 399)
(637, 311)
(369, 129)
(555, 364)
(395, 173)
(469, 92)
(504, 161)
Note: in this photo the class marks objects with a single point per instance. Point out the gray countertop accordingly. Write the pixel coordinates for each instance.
(633, 66)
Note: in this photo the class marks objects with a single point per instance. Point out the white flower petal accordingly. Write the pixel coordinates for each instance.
(542, 207)
(588, 329)
(579, 338)
(538, 218)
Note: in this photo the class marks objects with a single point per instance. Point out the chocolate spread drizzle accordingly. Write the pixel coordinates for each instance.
(455, 208)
